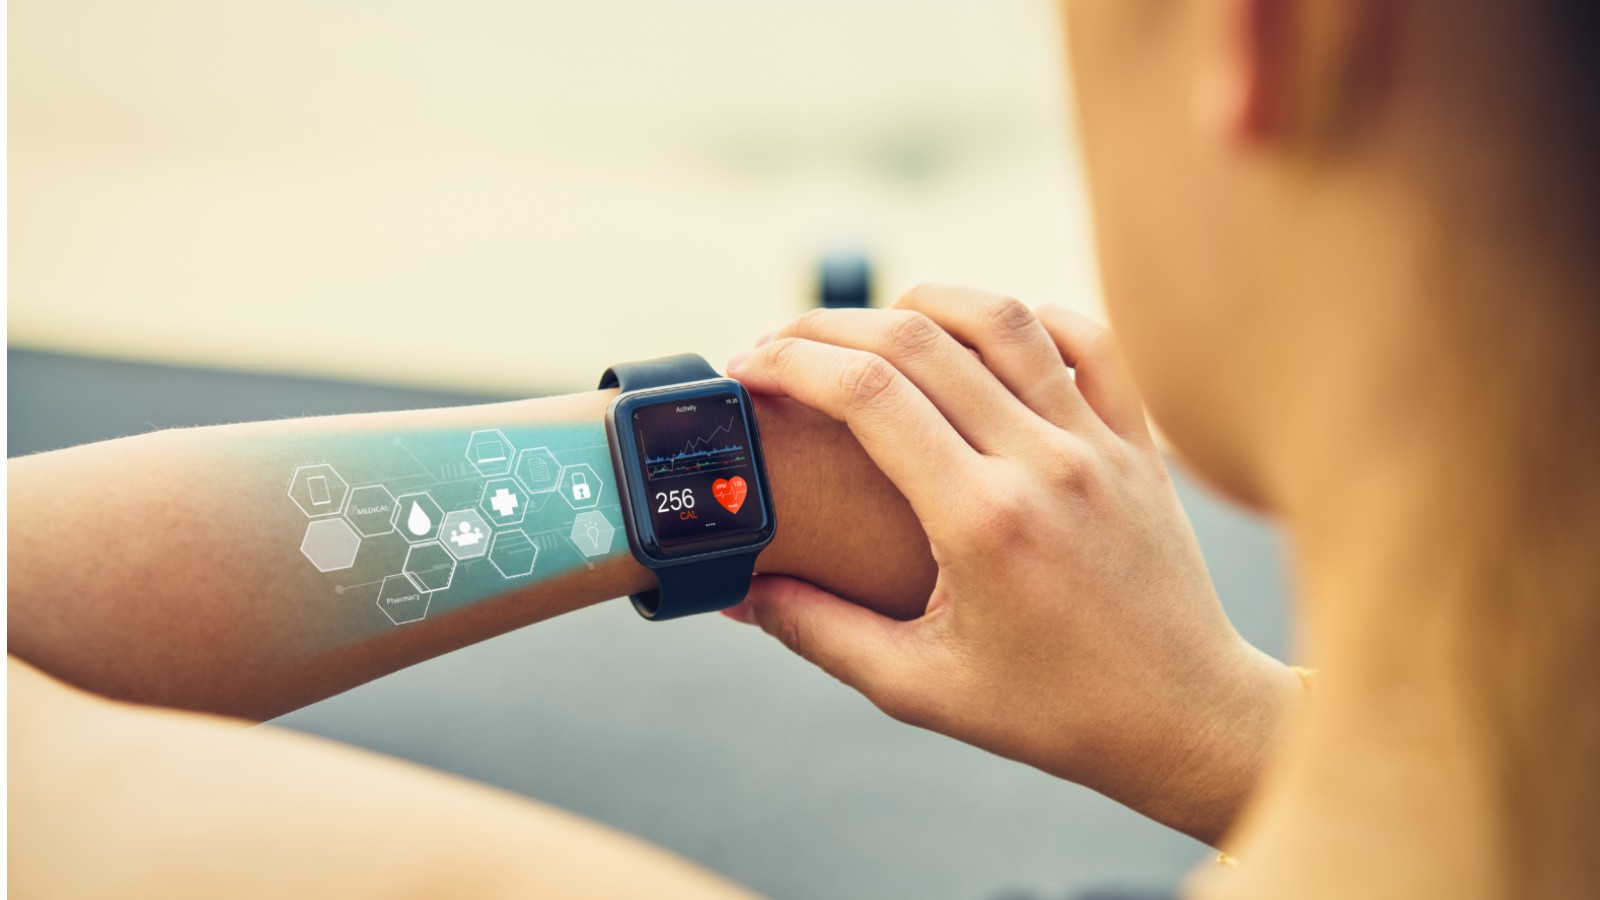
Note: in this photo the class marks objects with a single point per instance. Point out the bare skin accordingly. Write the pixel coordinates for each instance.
(110, 799)
(245, 633)
(137, 628)
(1318, 222)
(1310, 216)
(1073, 626)
(171, 813)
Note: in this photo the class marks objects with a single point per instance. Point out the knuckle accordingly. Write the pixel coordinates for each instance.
(808, 321)
(791, 634)
(1072, 468)
(781, 354)
(1051, 318)
(1000, 521)
(912, 334)
(1070, 472)
(1008, 317)
(867, 380)
(1101, 345)
(918, 296)
(1137, 460)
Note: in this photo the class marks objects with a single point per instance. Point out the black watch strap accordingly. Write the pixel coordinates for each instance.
(651, 373)
(692, 587)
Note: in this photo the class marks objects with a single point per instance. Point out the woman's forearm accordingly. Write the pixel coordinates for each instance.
(121, 801)
(209, 569)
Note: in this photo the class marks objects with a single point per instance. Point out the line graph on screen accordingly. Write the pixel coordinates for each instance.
(672, 455)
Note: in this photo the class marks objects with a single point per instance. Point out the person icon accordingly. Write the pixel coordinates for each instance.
(466, 534)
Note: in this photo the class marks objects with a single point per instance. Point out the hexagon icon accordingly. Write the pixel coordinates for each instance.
(429, 566)
(490, 452)
(512, 554)
(538, 470)
(592, 533)
(417, 516)
(580, 486)
(401, 601)
(504, 501)
(371, 510)
(465, 534)
(318, 490)
(330, 544)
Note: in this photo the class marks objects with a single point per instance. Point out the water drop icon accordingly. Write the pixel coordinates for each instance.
(418, 521)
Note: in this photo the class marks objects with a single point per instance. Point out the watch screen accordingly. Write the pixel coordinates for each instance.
(699, 478)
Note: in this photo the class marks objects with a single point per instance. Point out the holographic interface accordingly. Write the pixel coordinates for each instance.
(420, 522)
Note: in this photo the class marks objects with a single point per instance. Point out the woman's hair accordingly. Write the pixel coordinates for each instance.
(1574, 27)
(1573, 64)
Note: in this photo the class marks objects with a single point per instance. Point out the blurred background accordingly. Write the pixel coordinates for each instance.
(507, 196)
(223, 211)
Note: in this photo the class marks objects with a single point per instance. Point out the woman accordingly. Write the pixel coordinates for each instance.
(1319, 220)
(1349, 247)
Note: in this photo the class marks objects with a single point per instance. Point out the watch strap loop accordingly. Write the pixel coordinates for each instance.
(708, 587)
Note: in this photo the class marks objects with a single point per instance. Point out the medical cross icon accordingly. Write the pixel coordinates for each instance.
(504, 502)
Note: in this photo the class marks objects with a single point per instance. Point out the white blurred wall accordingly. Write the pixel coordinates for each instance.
(509, 195)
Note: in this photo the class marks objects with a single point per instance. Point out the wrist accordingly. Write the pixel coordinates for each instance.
(1205, 760)
(845, 527)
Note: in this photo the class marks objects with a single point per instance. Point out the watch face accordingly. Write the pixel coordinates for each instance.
(699, 470)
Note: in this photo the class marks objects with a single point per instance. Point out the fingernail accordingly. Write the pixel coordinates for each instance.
(766, 338)
(741, 613)
(738, 360)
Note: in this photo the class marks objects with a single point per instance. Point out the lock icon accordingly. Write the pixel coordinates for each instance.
(580, 486)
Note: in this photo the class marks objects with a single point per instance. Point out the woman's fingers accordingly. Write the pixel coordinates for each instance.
(897, 425)
(986, 414)
(1101, 373)
(850, 642)
(1012, 342)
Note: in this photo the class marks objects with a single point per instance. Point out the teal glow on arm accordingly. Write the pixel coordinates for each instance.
(402, 527)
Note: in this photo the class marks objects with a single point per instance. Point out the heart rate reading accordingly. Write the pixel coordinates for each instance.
(679, 454)
(699, 468)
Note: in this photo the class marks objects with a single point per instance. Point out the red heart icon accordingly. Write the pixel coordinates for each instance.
(729, 492)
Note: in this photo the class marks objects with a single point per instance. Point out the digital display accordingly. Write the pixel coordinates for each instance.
(700, 477)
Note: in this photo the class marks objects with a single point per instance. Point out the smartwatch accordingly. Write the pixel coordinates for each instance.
(695, 501)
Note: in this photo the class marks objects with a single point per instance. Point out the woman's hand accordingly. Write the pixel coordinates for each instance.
(1073, 625)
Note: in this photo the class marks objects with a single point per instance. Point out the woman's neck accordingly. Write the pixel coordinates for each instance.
(1384, 787)
(1449, 587)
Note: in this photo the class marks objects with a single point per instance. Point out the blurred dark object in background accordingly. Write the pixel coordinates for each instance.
(844, 281)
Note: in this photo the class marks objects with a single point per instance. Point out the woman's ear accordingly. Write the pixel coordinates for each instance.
(1242, 69)
(1279, 72)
